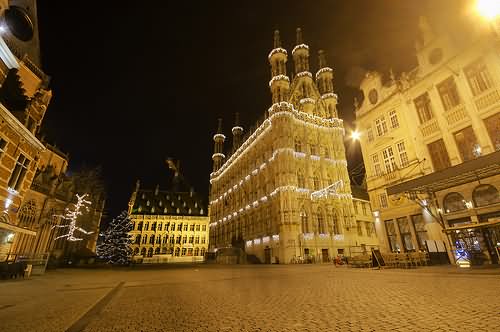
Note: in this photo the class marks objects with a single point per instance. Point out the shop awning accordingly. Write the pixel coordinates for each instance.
(16, 229)
(495, 222)
(469, 171)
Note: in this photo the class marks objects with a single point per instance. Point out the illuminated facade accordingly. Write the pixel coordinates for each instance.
(284, 192)
(168, 226)
(24, 96)
(430, 142)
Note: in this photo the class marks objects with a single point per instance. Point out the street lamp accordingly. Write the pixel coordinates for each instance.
(490, 10)
(355, 135)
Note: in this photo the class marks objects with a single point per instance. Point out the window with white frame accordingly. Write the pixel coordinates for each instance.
(478, 77)
(377, 170)
(383, 200)
(403, 156)
(20, 169)
(393, 116)
(381, 126)
(389, 160)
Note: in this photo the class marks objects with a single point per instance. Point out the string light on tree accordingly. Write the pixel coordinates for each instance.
(115, 247)
(72, 216)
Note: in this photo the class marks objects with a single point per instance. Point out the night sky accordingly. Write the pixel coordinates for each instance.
(135, 82)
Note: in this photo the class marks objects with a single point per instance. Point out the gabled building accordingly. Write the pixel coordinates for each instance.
(283, 193)
(430, 142)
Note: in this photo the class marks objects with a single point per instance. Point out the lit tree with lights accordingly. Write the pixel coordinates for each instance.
(115, 247)
(72, 215)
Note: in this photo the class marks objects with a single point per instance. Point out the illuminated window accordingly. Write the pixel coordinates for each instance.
(390, 229)
(420, 231)
(404, 230)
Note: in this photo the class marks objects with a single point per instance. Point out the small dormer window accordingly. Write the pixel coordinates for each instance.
(165, 210)
(148, 203)
(139, 209)
(196, 204)
(160, 203)
(184, 204)
(153, 209)
(178, 211)
(143, 196)
(168, 197)
(179, 197)
(189, 211)
(201, 211)
(172, 204)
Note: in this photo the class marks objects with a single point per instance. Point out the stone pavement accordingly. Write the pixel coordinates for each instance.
(253, 298)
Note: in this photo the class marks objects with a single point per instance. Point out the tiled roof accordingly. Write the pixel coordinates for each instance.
(158, 202)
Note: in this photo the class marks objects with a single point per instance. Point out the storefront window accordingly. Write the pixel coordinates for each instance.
(404, 230)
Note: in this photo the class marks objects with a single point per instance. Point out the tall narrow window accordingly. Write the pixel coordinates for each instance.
(321, 224)
(478, 77)
(300, 180)
(17, 176)
(303, 220)
(393, 116)
(390, 229)
(448, 93)
(298, 145)
(403, 157)
(369, 132)
(381, 126)
(439, 155)
(424, 109)
(383, 200)
(316, 181)
(421, 232)
(3, 145)
(466, 143)
(493, 127)
(389, 160)
(404, 230)
(377, 170)
(336, 224)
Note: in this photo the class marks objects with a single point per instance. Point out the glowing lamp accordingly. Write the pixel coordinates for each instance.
(489, 9)
(355, 135)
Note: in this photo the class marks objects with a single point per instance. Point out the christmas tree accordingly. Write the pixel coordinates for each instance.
(115, 247)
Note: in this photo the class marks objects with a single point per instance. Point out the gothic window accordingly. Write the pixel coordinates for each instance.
(159, 226)
(478, 77)
(424, 109)
(303, 220)
(27, 215)
(143, 252)
(139, 226)
(146, 226)
(316, 181)
(336, 225)
(298, 145)
(314, 152)
(177, 251)
(165, 210)
(201, 211)
(448, 93)
(485, 194)
(300, 180)
(321, 223)
(138, 239)
(178, 211)
(454, 202)
(152, 239)
(153, 226)
(145, 239)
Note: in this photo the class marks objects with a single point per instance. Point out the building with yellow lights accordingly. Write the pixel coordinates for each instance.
(168, 226)
(431, 147)
(283, 192)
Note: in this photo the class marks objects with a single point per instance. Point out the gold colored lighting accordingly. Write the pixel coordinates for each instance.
(489, 9)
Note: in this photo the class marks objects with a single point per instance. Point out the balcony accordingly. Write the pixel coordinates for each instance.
(456, 115)
(429, 128)
(487, 99)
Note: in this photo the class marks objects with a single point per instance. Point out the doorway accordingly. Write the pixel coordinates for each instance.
(324, 255)
(267, 255)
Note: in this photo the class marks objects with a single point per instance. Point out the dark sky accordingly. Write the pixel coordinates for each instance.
(135, 82)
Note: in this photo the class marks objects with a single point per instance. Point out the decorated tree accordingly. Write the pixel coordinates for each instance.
(115, 247)
(72, 215)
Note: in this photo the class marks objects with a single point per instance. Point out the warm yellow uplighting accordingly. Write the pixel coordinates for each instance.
(489, 9)
(355, 135)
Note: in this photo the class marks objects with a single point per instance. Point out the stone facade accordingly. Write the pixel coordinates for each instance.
(168, 226)
(443, 113)
(284, 194)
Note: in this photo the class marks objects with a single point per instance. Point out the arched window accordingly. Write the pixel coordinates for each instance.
(177, 251)
(139, 226)
(304, 222)
(485, 194)
(153, 225)
(202, 253)
(150, 252)
(145, 239)
(454, 202)
(138, 239)
(27, 215)
(336, 224)
(136, 251)
(298, 145)
(146, 226)
(143, 252)
(301, 183)
(157, 251)
(321, 222)
(152, 239)
(196, 251)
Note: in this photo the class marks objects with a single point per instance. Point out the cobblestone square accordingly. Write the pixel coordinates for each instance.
(253, 298)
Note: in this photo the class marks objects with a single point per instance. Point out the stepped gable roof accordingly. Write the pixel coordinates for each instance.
(171, 203)
(360, 193)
